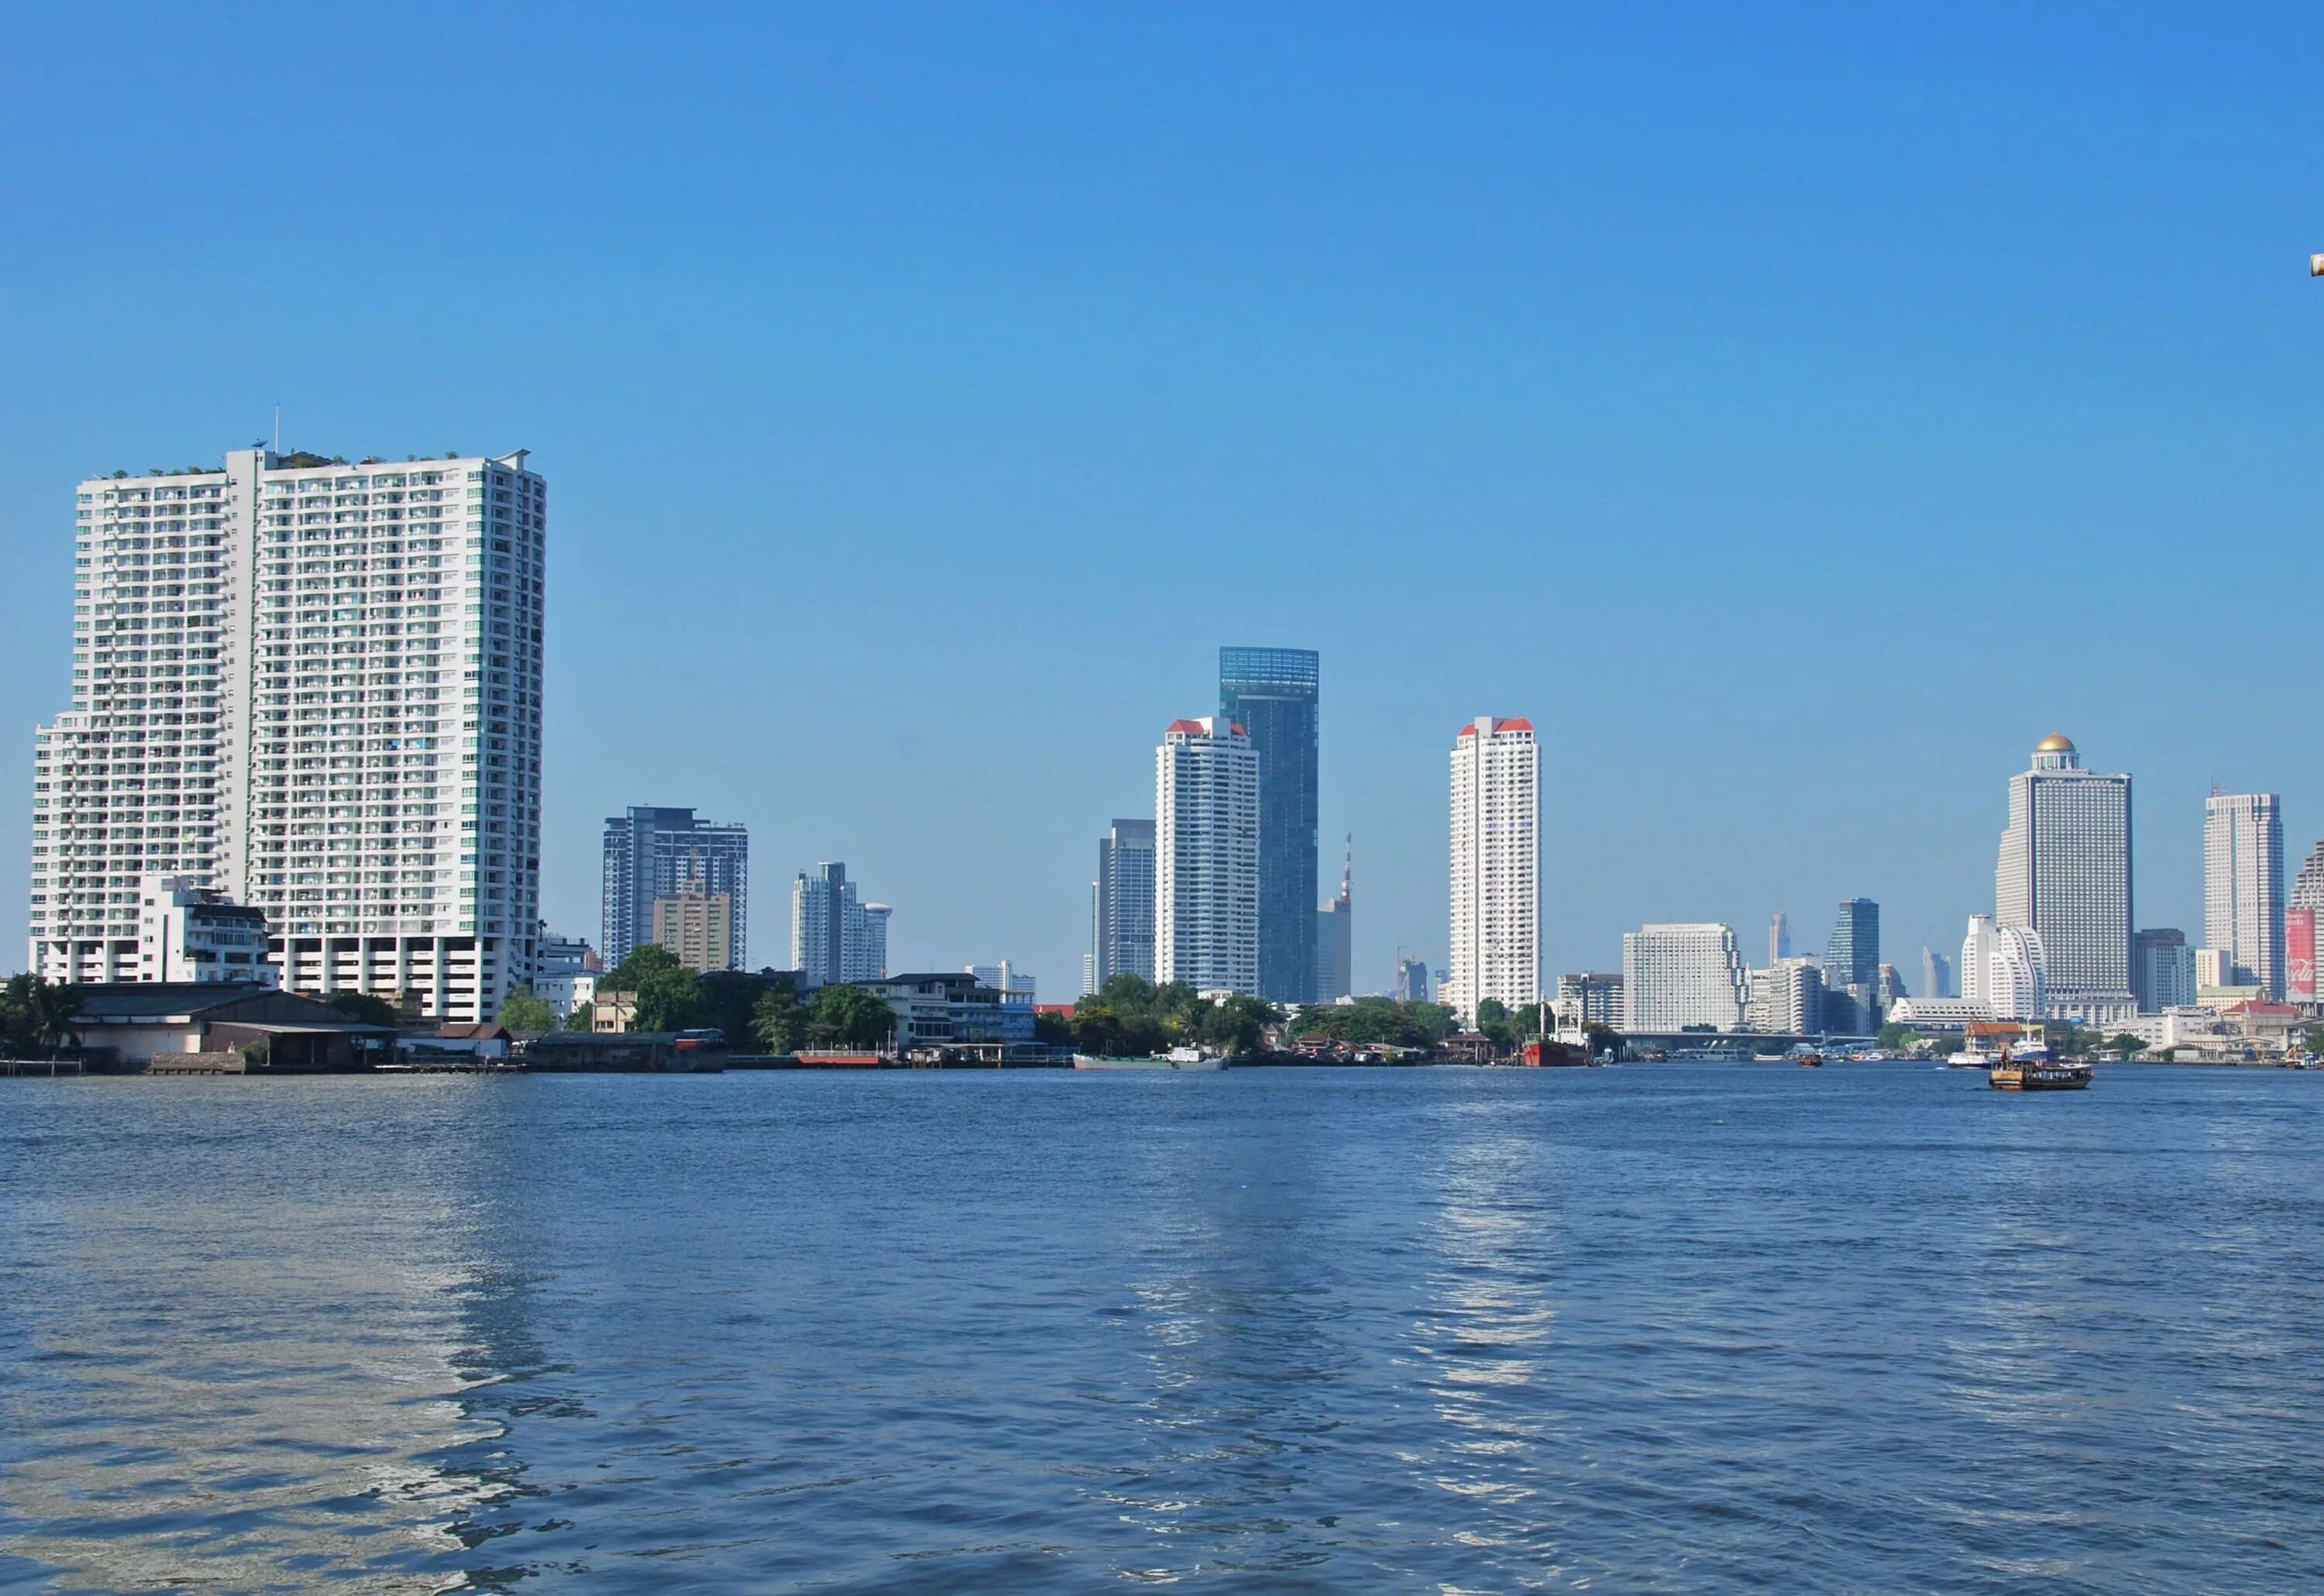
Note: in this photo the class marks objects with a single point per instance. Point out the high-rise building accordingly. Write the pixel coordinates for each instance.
(2015, 975)
(1779, 938)
(2064, 873)
(1412, 981)
(1852, 957)
(2243, 886)
(1089, 958)
(1335, 939)
(1496, 865)
(649, 853)
(1786, 998)
(1590, 997)
(313, 688)
(1678, 975)
(1207, 837)
(696, 925)
(1123, 943)
(2308, 889)
(1891, 985)
(1272, 694)
(1936, 974)
(2161, 970)
(835, 937)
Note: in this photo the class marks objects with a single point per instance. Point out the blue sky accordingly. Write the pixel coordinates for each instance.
(1796, 413)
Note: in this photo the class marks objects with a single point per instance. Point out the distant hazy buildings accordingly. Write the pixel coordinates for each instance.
(1272, 694)
(835, 937)
(1779, 938)
(1014, 986)
(313, 688)
(1412, 981)
(1678, 975)
(2161, 970)
(190, 933)
(2064, 874)
(1936, 974)
(650, 853)
(1123, 939)
(1206, 846)
(1335, 939)
(2243, 886)
(1496, 860)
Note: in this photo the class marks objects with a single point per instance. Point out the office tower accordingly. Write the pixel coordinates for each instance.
(2064, 873)
(1936, 974)
(316, 689)
(1787, 998)
(2015, 978)
(1335, 945)
(697, 927)
(649, 851)
(1591, 998)
(1207, 837)
(1977, 959)
(1496, 812)
(1852, 957)
(2161, 970)
(1271, 694)
(2243, 886)
(1123, 940)
(1779, 938)
(1412, 981)
(836, 937)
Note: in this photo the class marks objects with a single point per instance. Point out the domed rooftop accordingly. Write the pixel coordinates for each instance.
(2055, 742)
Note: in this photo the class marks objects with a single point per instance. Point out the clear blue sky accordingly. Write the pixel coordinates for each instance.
(1794, 414)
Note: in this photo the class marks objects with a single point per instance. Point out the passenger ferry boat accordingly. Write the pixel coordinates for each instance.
(2032, 1069)
(1178, 1058)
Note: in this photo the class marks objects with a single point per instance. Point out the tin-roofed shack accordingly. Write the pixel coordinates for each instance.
(230, 1028)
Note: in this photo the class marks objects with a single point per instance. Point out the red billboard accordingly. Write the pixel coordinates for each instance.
(2300, 955)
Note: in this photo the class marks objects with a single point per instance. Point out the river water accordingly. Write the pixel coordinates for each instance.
(1675, 1327)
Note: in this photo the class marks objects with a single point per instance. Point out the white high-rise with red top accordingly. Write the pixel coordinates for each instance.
(1496, 866)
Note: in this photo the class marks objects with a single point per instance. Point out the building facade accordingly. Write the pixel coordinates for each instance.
(835, 937)
(316, 689)
(1122, 939)
(186, 932)
(1208, 830)
(1679, 976)
(1852, 955)
(1591, 998)
(1787, 998)
(649, 853)
(1936, 974)
(1273, 694)
(1412, 981)
(2243, 886)
(2064, 874)
(1496, 866)
(697, 927)
(2016, 975)
(2161, 970)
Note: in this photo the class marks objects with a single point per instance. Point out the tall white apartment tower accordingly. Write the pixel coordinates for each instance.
(2064, 874)
(2243, 886)
(316, 687)
(1496, 866)
(1206, 856)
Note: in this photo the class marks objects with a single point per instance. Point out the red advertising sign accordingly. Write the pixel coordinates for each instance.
(2300, 954)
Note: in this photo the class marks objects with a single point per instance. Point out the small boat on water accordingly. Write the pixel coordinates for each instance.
(1969, 1060)
(1811, 1061)
(1178, 1058)
(2033, 1070)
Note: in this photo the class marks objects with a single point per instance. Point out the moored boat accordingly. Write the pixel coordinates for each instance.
(2033, 1070)
(1178, 1058)
(1811, 1061)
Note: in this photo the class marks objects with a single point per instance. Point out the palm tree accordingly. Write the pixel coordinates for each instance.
(53, 1006)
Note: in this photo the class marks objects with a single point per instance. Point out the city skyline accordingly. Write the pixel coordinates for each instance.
(1078, 405)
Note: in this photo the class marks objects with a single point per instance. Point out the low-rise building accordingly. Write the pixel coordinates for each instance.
(949, 1008)
(614, 1013)
(189, 933)
(1931, 1015)
(219, 1026)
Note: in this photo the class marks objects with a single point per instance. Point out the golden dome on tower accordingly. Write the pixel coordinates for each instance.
(2055, 742)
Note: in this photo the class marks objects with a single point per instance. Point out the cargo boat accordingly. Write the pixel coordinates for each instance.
(1178, 1058)
(2035, 1070)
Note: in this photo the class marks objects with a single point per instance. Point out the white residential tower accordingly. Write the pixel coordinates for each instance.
(1206, 857)
(1496, 866)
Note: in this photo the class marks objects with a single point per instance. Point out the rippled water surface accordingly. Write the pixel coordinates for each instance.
(1662, 1328)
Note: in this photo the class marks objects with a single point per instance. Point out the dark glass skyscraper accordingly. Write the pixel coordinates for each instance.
(1271, 694)
(1852, 957)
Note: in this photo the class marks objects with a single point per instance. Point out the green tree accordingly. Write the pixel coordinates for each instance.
(20, 1020)
(526, 1012)
(365, 1008)
(668, 999)
(1054, 1030)
(1602, 1039)
(630, 975)
(1237, 1025)
(2128, 1046)
(779, 1019)
(1897, 1037)
(730, 1001)
(1098, 1030)
(848, 1017)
